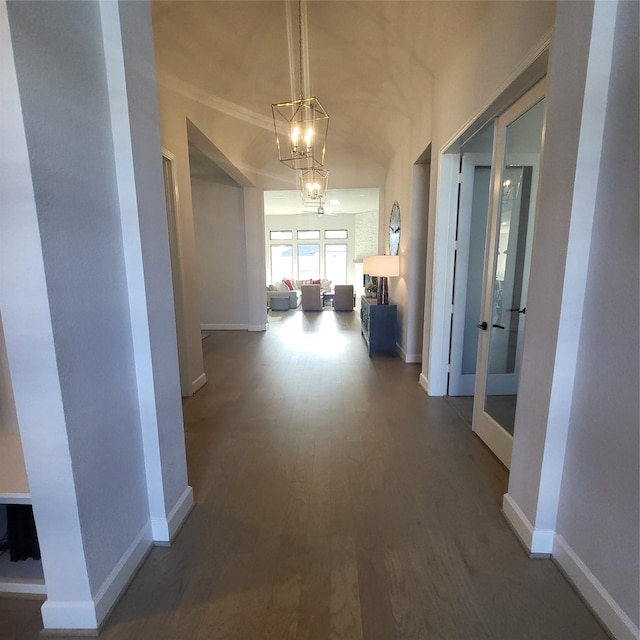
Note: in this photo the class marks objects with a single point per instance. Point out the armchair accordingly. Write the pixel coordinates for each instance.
(343, 299)
(311, 298)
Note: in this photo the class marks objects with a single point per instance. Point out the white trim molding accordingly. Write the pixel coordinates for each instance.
(409, 358)
(424, 382)
(118, 580)
(223, 327)
(165, 530)
(86, 617)
(597, 597)
(78, 617)
(538, 542)
(198, 383)
(233, 327)
(23, 586)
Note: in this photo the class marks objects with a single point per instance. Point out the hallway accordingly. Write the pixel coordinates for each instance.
(335, 500)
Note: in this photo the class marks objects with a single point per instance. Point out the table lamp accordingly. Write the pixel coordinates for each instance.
(382, 267)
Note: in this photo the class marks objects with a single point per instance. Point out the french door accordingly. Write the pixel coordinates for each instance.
(509, 240)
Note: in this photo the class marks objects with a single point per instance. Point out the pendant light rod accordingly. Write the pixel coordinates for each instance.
(300, 49)
(304, 49)
(300, 125)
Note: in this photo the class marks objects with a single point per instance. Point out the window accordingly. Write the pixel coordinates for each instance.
(336, 234)
(281, 262)
(308, 261)
(309, 235)
(335, 263)
(280, 235)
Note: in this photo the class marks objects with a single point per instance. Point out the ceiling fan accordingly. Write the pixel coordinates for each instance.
(319, 209)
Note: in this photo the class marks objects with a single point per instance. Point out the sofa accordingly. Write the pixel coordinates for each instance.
(294, 296)
(293, 290)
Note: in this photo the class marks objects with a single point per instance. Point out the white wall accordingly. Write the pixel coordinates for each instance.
(82, 250)
(366, 235)
(599, 508)
(85, 297)
(218, 212)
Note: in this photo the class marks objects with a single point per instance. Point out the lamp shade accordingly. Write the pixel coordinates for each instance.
(382, 266)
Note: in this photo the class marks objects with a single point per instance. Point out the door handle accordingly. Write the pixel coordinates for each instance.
(483, 326)
(523, 310)
(497, 326)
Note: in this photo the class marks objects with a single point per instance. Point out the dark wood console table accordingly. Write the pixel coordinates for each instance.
(378, 325)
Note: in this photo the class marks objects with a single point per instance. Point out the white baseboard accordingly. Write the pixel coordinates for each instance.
(79, 616)
(597, 597)
(23, 588)
(545, 542)
(223, 327)
(424, 382)
(117, 582)
(164, 530)
(538, 542)
(88, 616)
(198, 383)
(409, 358)
(233, 327)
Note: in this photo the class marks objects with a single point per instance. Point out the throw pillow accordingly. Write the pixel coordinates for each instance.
(315, 282)
(281, 286)
(288, 283)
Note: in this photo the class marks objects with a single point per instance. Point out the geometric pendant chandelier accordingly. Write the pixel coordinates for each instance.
(301, 125)
(301, 132)
(313, 185)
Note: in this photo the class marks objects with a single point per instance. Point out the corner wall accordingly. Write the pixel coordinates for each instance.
(181, 117)
(599, 509)
(85, 302)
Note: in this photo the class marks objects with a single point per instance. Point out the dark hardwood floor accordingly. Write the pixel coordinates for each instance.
(335, 500)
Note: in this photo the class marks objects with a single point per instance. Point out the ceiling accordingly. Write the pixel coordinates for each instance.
(371, 65)
(340, 201)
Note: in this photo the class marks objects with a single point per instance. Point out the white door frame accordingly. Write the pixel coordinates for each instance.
(177, 269)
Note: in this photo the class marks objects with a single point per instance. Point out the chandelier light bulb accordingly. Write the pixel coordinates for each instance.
(295, 136)
(313, 189)
(308, 138)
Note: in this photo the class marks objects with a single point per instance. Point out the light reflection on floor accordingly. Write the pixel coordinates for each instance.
(317, 333)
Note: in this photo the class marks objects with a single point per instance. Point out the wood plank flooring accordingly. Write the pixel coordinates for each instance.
(335, 501)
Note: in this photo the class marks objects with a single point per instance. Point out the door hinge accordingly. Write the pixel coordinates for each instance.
(460, 178)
